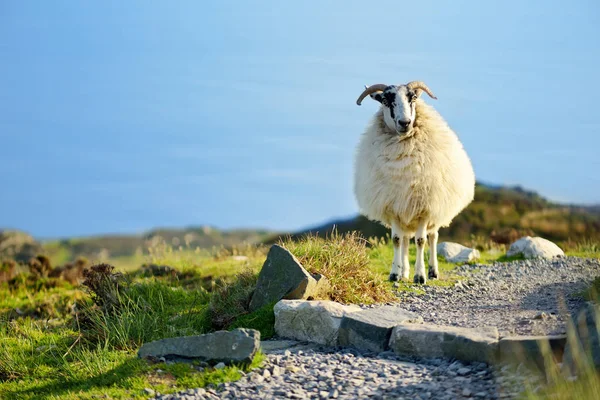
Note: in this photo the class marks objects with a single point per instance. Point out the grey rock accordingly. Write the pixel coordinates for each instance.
(239, 345)
(531, 350)
(282, 276)
(313, 321)
(428, 340)
(534, 247)
(220, 365)
(323, 286)
(457, 253)
(276, 346)
(371, 329)
(583, 345)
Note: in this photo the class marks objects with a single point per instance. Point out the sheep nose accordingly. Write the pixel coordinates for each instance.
(404, 123)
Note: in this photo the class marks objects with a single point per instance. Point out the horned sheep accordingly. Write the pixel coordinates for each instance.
(411, 173)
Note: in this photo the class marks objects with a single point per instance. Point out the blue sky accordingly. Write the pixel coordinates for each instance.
(122, 116)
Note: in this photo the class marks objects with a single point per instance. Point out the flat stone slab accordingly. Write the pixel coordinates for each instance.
(531, 350)
(282, 276)
(236, 346)
(371, 329)
(428, 340)
(312, 321)
(281, 345)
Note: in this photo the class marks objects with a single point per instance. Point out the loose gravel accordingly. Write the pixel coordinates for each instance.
(329, 373)
(519, 297)
(527, 297)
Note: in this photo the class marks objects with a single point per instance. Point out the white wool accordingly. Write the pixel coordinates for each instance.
(423, 176)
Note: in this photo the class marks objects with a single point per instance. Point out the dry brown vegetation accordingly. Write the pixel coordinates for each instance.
(344, 260)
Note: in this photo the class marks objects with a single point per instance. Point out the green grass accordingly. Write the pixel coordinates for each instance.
(346, 263)
(55, 342)
(38, 362)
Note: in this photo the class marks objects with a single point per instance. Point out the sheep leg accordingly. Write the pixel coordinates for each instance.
(397, 261)
(432, 239)
(420, 239)
(404, 257)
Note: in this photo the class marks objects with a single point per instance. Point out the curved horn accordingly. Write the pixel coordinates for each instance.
(378, 87)
(420, 85)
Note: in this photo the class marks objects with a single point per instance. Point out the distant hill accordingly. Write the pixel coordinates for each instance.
(203, 237)
(501, 214)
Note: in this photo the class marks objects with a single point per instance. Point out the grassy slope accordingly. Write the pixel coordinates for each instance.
(46, 351)
(502, 215)
(498, 214)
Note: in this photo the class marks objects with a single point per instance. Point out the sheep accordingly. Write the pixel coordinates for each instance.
(411, 173)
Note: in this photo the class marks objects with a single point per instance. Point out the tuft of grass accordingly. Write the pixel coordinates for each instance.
(345, 261)
(592, 293)
(263, 320)
(586, 249)
(505, 258)
(231, 300)
(147, 311)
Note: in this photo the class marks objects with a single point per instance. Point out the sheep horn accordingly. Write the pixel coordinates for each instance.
(378, 87)
(420, 85)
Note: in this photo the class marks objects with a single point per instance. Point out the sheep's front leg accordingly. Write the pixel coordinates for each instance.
(404, 257)
(432, 239)
(397, 261)
(400, 262)
(420, 239)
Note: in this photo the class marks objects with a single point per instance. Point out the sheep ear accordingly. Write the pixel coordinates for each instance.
(377, 96)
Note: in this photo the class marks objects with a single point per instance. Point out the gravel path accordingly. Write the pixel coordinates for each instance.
(520, 297)
(327, 373)
(532, 297)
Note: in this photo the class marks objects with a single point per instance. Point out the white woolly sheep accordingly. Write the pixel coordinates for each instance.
(411, 173)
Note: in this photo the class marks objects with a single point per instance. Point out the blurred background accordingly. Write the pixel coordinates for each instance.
(234, 120)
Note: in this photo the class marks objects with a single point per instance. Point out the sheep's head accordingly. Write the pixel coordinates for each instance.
(397, 103)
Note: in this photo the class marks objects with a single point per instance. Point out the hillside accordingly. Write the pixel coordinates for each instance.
(498, 214)
(501, 214)
(203, 237)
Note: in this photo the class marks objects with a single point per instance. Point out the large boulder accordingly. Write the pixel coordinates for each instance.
(583, 345)
(457, 253)
(371, 329)
(237, 346)
(531, 350)
(282, 276)
(534, 247)
(18, 246)
(311, 321)
(428, 340)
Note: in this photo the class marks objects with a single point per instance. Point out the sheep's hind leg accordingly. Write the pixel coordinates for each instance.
(397, 261)
(432, 240)
(420, 239)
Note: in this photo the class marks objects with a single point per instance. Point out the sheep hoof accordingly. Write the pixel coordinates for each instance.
(432, 274)
(393, 277)
(420, 279)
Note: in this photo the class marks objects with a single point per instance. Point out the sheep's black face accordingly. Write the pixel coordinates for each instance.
(398, 103)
